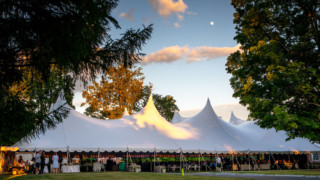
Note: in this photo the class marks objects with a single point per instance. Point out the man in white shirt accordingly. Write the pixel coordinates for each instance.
(219, 163)
(38, 161)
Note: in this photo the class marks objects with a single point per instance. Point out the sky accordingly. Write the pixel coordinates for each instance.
(188, 50)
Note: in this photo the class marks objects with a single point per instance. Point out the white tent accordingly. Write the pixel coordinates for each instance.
(143, 131)
(234, 120)
(147, 130)
(259, 139)
(177, 118)
(210, 133)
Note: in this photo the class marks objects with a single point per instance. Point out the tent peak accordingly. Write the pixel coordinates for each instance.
(235, 120)
(208, 104)
(61, 101)
(150, 100)
(125, 112)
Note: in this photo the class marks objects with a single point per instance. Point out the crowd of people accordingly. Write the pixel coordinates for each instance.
(40, 163)
(51, 162)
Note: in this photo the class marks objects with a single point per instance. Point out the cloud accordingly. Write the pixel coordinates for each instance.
(195, 54)
(205, 53)
(168, 54)
(167, 7)
(180, 17)
(128, 15)
(176, 24)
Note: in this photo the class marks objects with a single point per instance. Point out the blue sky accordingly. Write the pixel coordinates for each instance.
(186, 55)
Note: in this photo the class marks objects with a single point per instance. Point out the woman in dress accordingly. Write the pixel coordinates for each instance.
(55, 164)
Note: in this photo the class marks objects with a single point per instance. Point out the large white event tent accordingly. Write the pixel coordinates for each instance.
(177, 118)
(234, 120)
(147, 130)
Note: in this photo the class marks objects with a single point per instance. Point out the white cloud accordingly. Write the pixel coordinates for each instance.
(195, 54)
(167, 7)
(128, 15)
(176, 24)
(180, 17)
(168, 54)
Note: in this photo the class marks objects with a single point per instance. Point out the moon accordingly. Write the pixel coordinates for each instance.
(211, 23)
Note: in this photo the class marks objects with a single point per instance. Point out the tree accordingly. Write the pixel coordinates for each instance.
(276, 74)
(72, 37)
(118, 89)
(26, 107)
(122, 88)
(166, 105)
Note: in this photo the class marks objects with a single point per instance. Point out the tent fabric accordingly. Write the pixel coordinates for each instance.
(269, 140)
(234, 120)
(177, 118)
(147, 130)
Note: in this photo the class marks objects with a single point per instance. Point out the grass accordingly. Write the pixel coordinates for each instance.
(153, 176)
(284, 172)
(113, 175)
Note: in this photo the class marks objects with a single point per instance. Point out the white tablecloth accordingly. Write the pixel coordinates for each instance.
(70, 168)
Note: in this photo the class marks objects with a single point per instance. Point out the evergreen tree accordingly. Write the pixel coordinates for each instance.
(68, 36)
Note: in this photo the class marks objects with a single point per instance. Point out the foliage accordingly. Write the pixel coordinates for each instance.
(26, 107)
(72, 35)
(166, 105)
(122, 88)
(118, 89)
(39, 37)
(276, 74)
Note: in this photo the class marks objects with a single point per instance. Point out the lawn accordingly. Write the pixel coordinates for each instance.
(113, 175)
(127, 175)
(285, 172)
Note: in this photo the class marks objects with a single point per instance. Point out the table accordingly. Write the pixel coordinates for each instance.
(245, 167)
(70, 168)
(265, 166)
(160, 169)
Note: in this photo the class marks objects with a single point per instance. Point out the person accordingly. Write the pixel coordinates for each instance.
(42, 162)
(6, 163)
(20, 161)
(55, 164)
(32, 165)
(38, 161)
(218, 160)
(46, 162)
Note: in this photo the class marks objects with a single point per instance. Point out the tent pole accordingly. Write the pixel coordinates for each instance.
(199, 161)
(68, 157)
(308, 155)
(232, 162)
(254, 163)
(249, 161)
(180, 160)
(205, 163)
(98, 154)
(154, 160)
(238, 163)
(127, 157)
(278, 167)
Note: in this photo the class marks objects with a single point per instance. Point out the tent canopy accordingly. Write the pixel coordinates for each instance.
(147, 130)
